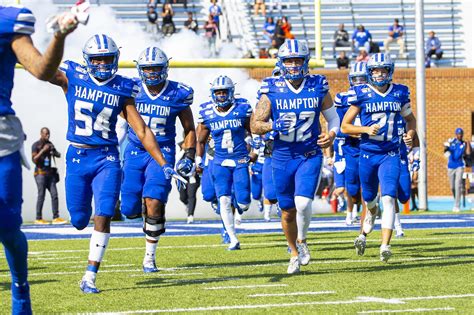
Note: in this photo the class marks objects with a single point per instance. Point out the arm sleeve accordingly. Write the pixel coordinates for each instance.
(332, 118)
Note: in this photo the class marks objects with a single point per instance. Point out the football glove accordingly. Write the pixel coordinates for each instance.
(283, 124)
(171, 173)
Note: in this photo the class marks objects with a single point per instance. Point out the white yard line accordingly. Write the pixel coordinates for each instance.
(291, 293)
(282, 305)
(413, 310)
(158, 274)
(283, 243)
(247, 286)
(52, 258)
(102, 266)
(437, 297)
(101, 271)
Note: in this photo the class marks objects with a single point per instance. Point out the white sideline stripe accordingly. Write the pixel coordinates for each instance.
(247, 286)
(256, 306)
(157, 274)
(349, 240)
(292, 293)
(414, 310)
(101, 271)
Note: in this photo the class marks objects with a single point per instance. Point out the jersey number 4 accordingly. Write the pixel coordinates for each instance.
(101, 124)
(299, 133)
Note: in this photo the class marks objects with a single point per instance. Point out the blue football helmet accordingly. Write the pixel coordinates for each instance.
(377, 61)
(223, 82)
(101, 45)
(293, 48)
(358, 73)
(153, 57)
(185, 167)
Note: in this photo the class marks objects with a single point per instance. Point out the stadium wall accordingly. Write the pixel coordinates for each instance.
(449, 104)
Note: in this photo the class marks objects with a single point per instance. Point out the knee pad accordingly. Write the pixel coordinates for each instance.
(303, 203)
(388, 215)
(153, 227)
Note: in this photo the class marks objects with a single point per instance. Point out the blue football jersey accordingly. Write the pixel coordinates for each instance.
(14, 20)
(348, 144)
(386, 110)
(227, 129)
(303, 106)
(93, 106)
(160, 111)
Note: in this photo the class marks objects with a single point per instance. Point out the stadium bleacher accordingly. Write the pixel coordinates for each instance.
(441, 16)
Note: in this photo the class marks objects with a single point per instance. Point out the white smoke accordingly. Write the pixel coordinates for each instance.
(40, 104)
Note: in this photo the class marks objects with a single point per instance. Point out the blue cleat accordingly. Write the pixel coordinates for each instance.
(21, 302)
(150, 267)
(88, 286)
(235, 246)
(225, 237)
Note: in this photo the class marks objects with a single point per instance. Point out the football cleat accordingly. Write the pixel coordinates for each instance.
(235, 246)
(225, 237)
(190, 219)
(150, 267)
(359, 245)
(399, 233)
(385, 253)
(369, 222)
(88, 286)
(349, 219)
(294, 266)
(303, 253)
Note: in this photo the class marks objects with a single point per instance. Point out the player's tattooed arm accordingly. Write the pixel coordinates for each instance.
(143, 132)
(348, 127)
(61, 80)
(202, 136)
(187, 121)
(259, 121)
(44, 66)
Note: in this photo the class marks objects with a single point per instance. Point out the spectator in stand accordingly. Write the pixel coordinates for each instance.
(46, 176)
(279, 35)
(363, 55)
(210, 29)
(456, 149)
(269, 29)
(263, 54)
(361, 38)
(216, 11)
(286, 27)
(273, 50)
(341, 39)
(167, 27)
(342, 61)
(395, 33)
(152, 26)
(432, 47)
(191, 24)
(259, 5)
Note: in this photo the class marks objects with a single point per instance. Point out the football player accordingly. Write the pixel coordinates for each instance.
(227, 119)
(96, 95)
(380, 104)
(346, 149)
(294, 102)
(159, 102)
(17, 24)
(256, 171)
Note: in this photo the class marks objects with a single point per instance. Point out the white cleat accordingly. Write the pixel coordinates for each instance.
(359, 245)
(369, 222)
(385, 253)
(303, 253)
(399, 233)
(294, 266)
(190, 219)
(349, 221)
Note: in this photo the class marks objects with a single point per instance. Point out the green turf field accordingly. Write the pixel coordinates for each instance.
(431, 271)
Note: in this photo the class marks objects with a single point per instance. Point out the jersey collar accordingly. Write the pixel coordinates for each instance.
(151, 96)
(292, 88)
(382, 94)
(223, 114)
(101, 83)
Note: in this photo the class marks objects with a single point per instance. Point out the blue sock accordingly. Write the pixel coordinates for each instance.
(16, 251)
